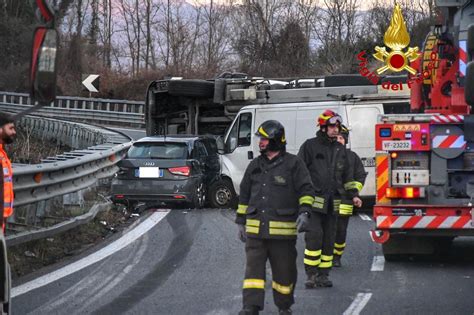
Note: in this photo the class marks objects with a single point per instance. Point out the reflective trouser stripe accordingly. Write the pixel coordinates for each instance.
(310, 262)
(283, 289)
(312, 257)
(339, 249)
(337, 203)
(242, 209)
(313, 253)
(254, 284)
(306, 200)
(326, 261)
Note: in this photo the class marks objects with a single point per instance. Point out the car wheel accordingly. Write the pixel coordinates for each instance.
(222, 194)
(199, 197)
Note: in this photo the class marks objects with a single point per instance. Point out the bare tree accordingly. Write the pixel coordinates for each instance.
(106, 32)
(337, 31)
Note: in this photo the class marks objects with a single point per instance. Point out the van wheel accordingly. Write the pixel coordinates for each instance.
(199, 197)
(222, 194)
(192, 88)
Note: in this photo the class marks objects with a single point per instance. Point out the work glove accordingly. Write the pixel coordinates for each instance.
(302, 223)
(242, 233)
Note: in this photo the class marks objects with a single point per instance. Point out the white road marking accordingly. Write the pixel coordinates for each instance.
(91, 299)
(378, 263)
(358, 304)
(364, 217)
(122, 242)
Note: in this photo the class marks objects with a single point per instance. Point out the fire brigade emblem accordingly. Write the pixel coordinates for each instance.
(396, 37)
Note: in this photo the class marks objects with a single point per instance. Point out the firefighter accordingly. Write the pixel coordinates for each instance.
(329, 169)
(276, 187)
(345, 210)
(7, 135)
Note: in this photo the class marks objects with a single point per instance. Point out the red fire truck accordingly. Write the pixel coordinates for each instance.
(425, 160)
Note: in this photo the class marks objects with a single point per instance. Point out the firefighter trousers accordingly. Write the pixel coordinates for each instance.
(318, 254)
(341, 234)
(282, 256)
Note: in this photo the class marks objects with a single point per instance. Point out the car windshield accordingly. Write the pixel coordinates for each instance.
(158, 150)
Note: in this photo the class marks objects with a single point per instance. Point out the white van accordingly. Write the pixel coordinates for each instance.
(299, 119)
(235, 106)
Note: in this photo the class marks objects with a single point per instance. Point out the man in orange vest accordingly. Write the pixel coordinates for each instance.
(7, 135)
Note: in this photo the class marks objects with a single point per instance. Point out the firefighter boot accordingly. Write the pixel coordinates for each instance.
(310, 282)
(285, 312)
(336, 262)
(322, 280)
(249, 310)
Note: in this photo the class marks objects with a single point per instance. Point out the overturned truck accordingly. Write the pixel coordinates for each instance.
(209, 106)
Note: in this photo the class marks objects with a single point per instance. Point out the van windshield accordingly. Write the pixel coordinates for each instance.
(158, 150)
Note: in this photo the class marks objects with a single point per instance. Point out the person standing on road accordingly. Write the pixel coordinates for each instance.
(276, 186)
(7, 135)
(327, 163)
(345, 209)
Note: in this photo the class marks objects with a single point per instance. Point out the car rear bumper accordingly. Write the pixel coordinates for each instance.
(126, 190)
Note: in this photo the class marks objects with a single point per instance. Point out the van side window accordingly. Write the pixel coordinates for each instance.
(241, 133)
(245, 129)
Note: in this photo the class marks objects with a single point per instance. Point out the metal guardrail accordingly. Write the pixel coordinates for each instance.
(70, 171)
(108, 111)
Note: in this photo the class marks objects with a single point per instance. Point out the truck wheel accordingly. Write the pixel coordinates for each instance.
(199, 197)
(191, 88)
(222, 194)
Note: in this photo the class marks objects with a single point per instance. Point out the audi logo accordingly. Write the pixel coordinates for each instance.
(149, 163)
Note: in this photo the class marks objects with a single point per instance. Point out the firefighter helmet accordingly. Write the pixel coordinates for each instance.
(274, 132)
(328, 117)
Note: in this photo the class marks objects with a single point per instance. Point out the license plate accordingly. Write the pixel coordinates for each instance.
(401, 145)
(148, 172)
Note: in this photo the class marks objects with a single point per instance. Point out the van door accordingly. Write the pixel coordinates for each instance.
(238, 147)
(362, 120)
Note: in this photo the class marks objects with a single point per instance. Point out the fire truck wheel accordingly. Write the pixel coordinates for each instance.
(443, 246)
(191, 88)
(470, 40)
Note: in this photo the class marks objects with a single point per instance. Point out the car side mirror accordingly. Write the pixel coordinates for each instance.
(220, 145)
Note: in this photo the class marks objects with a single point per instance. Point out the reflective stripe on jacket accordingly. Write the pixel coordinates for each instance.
(271, 193)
